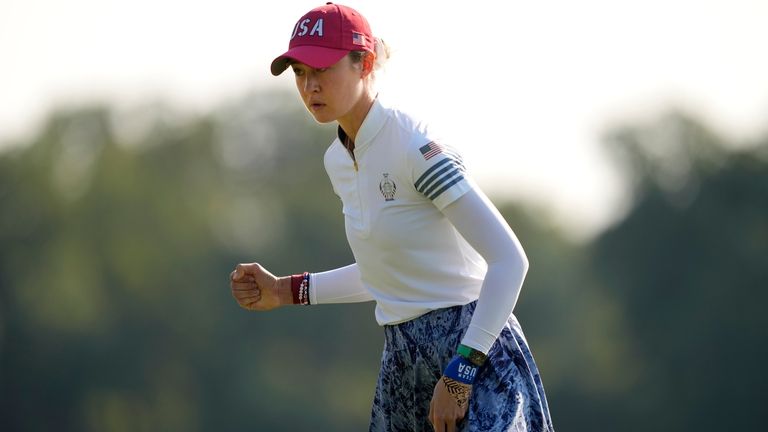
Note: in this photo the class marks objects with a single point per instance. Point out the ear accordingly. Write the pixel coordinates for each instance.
(368, 62)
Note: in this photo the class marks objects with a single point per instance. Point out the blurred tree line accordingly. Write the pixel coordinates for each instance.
(118, 234)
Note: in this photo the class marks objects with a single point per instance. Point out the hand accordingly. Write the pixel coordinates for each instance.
(256, 289)
(449, 404)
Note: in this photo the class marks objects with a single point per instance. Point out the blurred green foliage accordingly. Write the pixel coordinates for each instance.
(118, 233)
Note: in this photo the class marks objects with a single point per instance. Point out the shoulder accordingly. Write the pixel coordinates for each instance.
(404, 122)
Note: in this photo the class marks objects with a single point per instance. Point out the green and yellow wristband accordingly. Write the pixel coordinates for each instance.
(465, 365)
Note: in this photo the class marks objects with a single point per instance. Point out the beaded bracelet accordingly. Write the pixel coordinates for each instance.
(300, 288)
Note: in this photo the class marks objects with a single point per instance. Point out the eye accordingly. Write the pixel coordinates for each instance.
(321, 70)
(297, 71)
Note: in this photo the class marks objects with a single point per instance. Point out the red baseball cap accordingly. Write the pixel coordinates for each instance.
(324, 36)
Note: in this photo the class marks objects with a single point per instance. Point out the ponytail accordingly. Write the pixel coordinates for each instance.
(381, 55)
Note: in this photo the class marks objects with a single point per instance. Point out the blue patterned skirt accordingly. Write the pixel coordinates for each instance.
(507, 395)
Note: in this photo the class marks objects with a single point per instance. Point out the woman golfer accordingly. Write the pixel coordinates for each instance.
(430, 249)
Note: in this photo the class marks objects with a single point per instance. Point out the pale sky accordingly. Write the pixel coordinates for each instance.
(525, 88)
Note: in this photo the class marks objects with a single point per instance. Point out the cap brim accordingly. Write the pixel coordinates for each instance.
(312, 56)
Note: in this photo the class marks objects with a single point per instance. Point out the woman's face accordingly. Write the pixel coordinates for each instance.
(330, 93)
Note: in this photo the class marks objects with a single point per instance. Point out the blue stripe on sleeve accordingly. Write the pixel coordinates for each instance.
(429, 171)
(446, 187)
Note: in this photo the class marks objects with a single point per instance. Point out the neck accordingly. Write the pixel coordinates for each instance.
(352, 121)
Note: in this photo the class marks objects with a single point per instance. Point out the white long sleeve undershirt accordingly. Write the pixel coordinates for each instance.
(341, 285)
(482, 226)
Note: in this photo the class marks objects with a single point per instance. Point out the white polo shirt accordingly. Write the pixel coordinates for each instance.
(410, 257)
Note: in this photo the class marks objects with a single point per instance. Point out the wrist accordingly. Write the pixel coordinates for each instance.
(299, 288)
(474, 356)
(284, 290)
(462, 370)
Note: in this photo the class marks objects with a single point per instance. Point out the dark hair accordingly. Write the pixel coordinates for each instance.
(357, 56)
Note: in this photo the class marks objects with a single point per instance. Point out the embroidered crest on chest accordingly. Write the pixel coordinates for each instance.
(387, 187)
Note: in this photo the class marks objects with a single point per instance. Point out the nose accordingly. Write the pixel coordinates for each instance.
(311, 84)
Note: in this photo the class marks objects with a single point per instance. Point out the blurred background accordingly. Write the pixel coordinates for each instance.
(145, 150)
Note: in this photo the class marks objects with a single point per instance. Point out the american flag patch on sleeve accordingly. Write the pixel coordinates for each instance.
(430, 149)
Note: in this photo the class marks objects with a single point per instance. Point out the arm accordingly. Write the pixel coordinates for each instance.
(257, 289)
(481, 224)
(443, 179)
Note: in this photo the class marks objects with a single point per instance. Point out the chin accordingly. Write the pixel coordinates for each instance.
(323, 119)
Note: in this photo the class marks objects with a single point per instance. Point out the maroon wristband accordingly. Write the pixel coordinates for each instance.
(295, 285)
(300, 288)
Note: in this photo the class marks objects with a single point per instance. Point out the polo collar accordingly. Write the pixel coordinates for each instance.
(370, 127)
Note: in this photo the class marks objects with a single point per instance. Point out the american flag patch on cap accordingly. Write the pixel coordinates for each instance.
(430, 149)
(358, 38)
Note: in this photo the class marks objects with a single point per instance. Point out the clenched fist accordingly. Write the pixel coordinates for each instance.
(256, 289)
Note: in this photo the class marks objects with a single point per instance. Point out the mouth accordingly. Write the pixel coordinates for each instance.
(314, 106)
